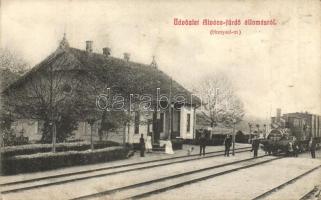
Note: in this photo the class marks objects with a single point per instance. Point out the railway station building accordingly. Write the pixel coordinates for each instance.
(80, 76)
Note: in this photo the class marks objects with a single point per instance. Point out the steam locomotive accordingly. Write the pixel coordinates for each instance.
(292, 131)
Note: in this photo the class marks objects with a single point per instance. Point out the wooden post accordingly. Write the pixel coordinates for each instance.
(233, 153)
(194, 123)
(250, 134)
(91, 136)
(124, 134)
(2, 139)
(54, 136)
(234, 122)
(91, 123)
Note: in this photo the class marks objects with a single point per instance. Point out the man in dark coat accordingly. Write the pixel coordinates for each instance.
(142, 145)
(202, 142)
(227, 143)
(255, 146)
(312, 145)
(295, 147)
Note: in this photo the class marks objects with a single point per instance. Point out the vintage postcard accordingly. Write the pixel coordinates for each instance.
(160, 100)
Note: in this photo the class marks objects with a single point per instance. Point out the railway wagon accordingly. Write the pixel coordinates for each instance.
(303, 125)
(293, 129)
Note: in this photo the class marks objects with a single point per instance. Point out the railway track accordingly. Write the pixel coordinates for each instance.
(105, 171)
(314, 193)
(175, 181)
(277, 188)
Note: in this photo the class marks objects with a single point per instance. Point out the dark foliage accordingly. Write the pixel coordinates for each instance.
(217, 139)
(44, 162)
(64, 127)
(59, 148)
(112, 120)
(214, 139)
(240, 137)
(177, 143)
(10, 138)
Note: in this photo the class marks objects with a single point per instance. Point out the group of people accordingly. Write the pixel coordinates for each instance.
(146, 145)
(293, 146)
(227, 144)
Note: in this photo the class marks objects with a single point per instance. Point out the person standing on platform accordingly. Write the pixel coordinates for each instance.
(295, 147)
(312, 146)
(142, 145)
(290, 149)
(227, 143)
(255, 146)
(149, 146)
(202, 142)
(169, 147)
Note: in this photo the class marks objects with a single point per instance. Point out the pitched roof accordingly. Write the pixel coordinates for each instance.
(110, 70)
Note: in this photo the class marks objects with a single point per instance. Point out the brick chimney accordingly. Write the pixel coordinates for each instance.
(278, 115)
(89, 46)
(126, 56)
(106, 51)
(64, 43)
(154, 63)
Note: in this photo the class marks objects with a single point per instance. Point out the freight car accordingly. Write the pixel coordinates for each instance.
(292, 130)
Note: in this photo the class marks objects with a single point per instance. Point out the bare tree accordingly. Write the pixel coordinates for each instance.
(47, 94)
(12, 61)
(12, 66)
(220, 104)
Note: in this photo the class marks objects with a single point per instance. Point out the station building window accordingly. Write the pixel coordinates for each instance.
(188, 128)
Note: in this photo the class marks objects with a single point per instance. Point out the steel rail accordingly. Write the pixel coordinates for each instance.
(139, 196)
(108, 174)
(108, 192)
(105, 168)
(267, 193)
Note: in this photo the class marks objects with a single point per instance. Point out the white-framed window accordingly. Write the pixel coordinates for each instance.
(188, 124)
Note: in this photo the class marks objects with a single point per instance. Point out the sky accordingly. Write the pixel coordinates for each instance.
(270, 66)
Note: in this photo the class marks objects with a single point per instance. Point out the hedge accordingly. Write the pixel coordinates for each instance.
(242, 138)
(60, 147)
(177, 143)
(214, 139)
(48, 161)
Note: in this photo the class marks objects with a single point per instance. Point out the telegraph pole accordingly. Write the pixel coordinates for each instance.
(250, 126)
(234, 121)
(155, 125)
(52, 122)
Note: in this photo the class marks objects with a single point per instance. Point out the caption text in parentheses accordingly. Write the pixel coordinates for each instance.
(225, 32)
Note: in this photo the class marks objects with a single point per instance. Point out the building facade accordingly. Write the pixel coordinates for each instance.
(76, 77)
